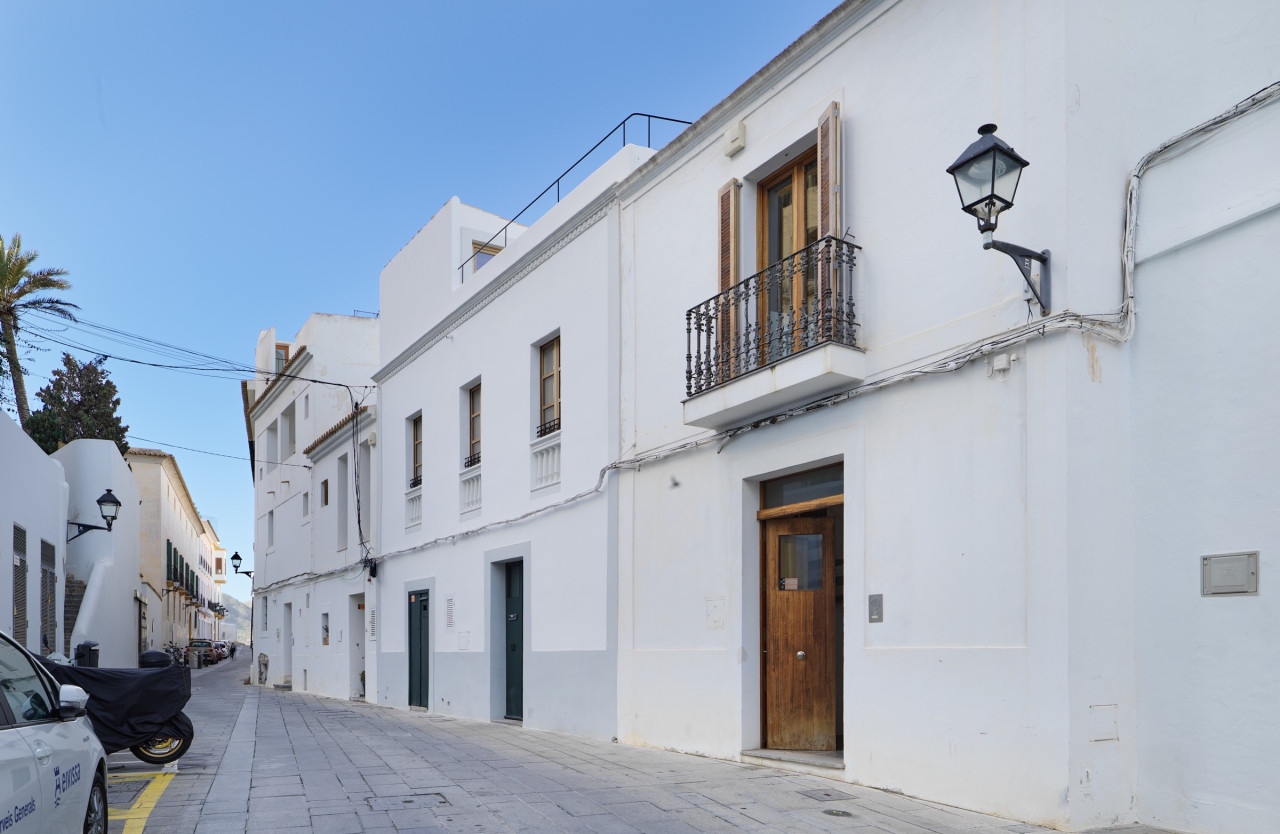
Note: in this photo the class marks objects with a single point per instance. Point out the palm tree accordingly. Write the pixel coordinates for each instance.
(18, 293)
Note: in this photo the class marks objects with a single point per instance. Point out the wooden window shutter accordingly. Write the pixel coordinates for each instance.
(829, 191)
(728, 202)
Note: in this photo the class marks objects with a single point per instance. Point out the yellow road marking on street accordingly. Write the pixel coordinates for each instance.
(135, 816)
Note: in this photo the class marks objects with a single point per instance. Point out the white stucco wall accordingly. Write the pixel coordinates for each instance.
(1205, 460)
(33, 496)
(107, 561)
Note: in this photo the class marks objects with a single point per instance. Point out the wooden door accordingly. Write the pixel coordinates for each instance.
(515, 640)
(419, 648)
(800, 634)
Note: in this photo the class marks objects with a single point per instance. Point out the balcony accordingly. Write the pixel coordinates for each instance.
(784, 336)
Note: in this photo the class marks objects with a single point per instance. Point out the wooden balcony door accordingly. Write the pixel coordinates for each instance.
(801, 662)
(788, 218)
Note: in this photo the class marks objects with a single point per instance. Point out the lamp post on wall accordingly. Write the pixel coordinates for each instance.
(986, 176)
(235, 565)
(108, 506)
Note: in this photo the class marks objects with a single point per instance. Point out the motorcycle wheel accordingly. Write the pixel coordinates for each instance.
(162, 750)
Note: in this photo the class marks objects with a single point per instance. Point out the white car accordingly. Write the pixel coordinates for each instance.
(53, 771)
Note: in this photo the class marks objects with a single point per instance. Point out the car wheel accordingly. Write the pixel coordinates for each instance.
(95, 815)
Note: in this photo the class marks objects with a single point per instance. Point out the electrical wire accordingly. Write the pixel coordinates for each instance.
(214, 454)
(1117, 326)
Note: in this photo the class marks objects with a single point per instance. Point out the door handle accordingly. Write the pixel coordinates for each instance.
(800, 655)
(43, 752)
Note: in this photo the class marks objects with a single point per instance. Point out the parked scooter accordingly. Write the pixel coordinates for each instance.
(137, 709)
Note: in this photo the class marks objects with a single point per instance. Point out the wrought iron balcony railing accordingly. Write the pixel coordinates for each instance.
(550, 427)
(471, 460)
(800, 302)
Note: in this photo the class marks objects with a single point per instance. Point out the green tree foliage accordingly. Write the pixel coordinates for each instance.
(79, 402)
(21, 290)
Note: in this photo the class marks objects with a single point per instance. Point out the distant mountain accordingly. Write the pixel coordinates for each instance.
(239, 618)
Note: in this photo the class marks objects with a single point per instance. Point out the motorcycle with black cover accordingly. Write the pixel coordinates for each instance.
(136, 709)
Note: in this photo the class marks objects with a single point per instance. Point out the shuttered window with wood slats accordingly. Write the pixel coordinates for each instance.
(20, 585)
(48, 597)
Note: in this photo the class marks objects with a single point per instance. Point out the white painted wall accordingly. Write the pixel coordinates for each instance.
(996, 516)
(108, 561)
(556, 279)
(33, 495)
(1205, 460)
(328, 353)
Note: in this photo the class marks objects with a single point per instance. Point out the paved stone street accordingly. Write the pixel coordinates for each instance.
(267, 761)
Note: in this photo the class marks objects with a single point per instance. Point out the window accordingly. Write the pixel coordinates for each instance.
(30, 697)
(549, 387)
(218, 565)
(282, 356)
(288, 432)
(473, 424)
(271, 528)
(342, 502)
(271, 446)
(306, 406)
(306, 504)
(324, 629)
(19, 584)
(415, 440)
(483, 253)
(324, 493)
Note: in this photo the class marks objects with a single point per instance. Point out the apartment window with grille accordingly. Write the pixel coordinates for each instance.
(473, 425)
(549, 387)
(415, 443)
(20, 585)
(48, 597)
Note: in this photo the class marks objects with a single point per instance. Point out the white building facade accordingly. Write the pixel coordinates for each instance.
(177, 554)
(312, 438)
(748, 449)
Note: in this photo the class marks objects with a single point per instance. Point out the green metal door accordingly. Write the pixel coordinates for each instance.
(515, 640)
(419, 659)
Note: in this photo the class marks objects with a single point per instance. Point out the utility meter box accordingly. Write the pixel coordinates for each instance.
(1229, 574)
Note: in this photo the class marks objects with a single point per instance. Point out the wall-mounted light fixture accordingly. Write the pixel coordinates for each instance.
(235, 564)
(108, 506)
(987, 175)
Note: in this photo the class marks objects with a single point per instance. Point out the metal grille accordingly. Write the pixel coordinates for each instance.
(470, 460)
(549, 427)
(803, 300)
(48, 597)
(20, 585)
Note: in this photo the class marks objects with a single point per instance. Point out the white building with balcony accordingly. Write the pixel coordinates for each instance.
(310, 421)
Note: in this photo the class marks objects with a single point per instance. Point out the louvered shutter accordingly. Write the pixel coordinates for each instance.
(20, 585)
(829, 190)
(728, 201)
(48, 598)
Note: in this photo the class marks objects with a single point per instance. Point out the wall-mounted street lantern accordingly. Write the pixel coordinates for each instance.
(235, 564)
(108, 506)
(987, 175)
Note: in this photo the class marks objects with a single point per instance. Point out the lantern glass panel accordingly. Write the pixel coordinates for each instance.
(974, 179)
(1007, 172)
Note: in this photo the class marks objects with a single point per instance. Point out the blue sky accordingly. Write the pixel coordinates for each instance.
(204, 171)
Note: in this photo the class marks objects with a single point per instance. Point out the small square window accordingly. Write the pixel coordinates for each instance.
(483, 253)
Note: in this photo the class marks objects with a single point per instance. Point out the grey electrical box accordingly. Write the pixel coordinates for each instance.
(875, 608)
(1229, 574)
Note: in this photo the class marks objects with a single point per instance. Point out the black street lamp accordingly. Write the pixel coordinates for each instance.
(235, 564)
(987, 176)
(108, 506)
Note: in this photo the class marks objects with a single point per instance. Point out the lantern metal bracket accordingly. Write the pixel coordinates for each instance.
(81, 529)
(1026, 259)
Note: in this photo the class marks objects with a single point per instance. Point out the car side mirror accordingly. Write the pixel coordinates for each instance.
(72, 701)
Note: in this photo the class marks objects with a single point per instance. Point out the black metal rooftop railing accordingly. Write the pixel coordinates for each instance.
(621, 127)
(803, 300)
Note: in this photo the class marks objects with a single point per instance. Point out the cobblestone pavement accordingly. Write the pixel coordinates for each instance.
(266, 761)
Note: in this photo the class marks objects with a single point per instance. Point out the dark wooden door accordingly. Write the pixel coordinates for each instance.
(515, 640)
(799, 634)
(419, 654)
